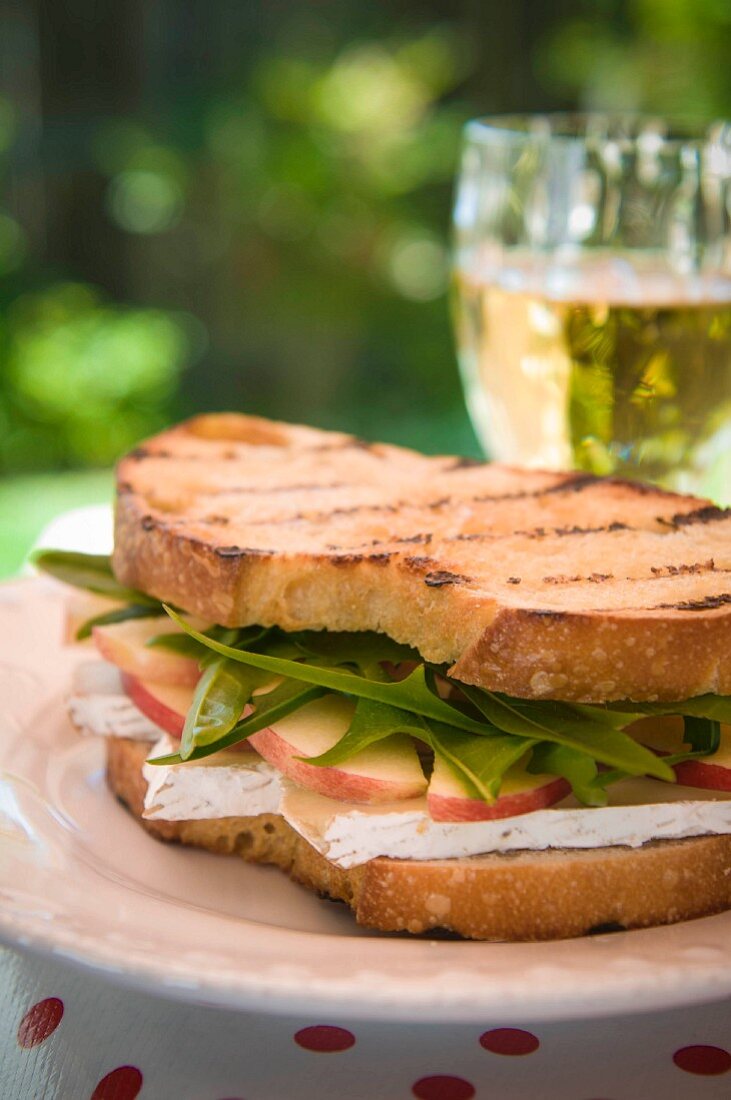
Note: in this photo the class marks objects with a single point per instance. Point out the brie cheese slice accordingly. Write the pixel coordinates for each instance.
(229, 784)
(641, 810)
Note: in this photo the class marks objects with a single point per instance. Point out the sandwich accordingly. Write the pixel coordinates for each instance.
(452, 694)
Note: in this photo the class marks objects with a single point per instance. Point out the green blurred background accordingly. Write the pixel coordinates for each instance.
(245, 204)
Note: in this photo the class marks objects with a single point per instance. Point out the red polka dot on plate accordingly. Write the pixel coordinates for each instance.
(509, 1040)
(40, 1021)
(704, 1060)
(324, 1038)
(123, 1083)
(443, 1088)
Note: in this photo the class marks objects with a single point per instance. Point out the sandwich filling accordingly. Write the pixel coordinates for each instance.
(367, 750)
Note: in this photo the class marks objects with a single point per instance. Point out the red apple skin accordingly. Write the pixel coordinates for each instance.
(400, 776)
(699, 773)
(445, 802)
(664, 735)
(165, 706)
(123, 644)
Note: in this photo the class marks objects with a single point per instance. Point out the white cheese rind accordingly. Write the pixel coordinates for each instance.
(644, 810)
(225, 785)
(110, 716)
(243, 785)
(98, 706)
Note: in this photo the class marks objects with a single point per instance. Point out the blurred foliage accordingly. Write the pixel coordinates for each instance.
(664, 56)
(270, 186)
(83, 380)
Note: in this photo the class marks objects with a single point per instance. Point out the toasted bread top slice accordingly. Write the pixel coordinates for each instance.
(538, 584)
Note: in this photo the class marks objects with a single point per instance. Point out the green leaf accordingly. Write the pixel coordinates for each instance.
(577, 767)
(220, 696)
(367, 650)
(90, 571)
(702, 734)
(371, 722)
(271, 707)
(715, 707)
(182, 644)
(118, 615)
(412, 694)
(617, 719)
(562, 724)
(189, 647)
(481, 762)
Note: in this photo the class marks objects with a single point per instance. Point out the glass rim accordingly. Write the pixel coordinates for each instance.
(672, 133)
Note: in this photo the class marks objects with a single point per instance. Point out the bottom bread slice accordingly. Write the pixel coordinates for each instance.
(519, 896)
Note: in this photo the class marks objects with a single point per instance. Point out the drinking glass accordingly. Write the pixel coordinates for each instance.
(592, 295)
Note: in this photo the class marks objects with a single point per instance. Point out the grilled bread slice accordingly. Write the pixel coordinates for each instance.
(522, 896)
(538, 584)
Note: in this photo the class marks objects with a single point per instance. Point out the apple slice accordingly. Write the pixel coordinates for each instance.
(388, 771)
(167, 705)
(164, 704)
(124, 645)
(520, 793)
(664, 734)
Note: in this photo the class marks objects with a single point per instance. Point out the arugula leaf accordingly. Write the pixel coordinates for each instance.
(186, 646)
(577, 767)
(480, 762)
(90, 571)
(372, 721)
(702, 734)
(178, 643)
(367, 650)
(278, 703)
(220, 696)
(412, 694)
(617, 719)
(118, 615)
(715, 707)
(560, 723)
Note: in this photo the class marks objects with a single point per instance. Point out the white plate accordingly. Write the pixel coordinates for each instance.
(80, 879)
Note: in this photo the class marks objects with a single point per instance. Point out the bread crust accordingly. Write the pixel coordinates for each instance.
(522, 896)
(538, 584)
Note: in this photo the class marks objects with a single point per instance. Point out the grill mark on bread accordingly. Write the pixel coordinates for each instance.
(696, 568)
(541, 532)
(380, 559)
(709, 513)
(462, 464)
(578, 483)
(434, 578)
(244, 552)
(591, 578)
(418, 562)
(350, 443)
(266, 490)
(346, 559)
(572, 483)
(437, 578)
(705, 603)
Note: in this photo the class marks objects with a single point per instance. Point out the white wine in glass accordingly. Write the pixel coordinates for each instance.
(592, 298)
